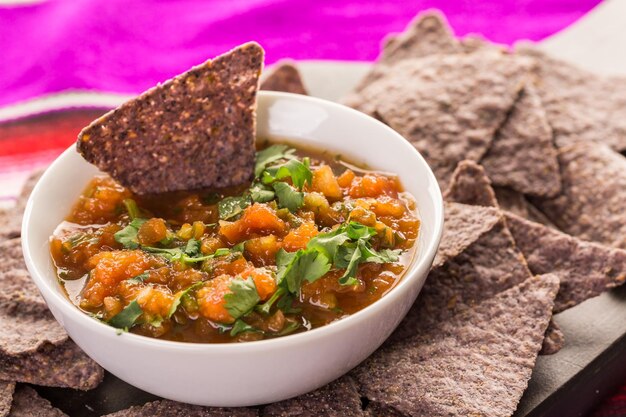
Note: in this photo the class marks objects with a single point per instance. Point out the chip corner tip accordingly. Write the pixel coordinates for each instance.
(253, 47)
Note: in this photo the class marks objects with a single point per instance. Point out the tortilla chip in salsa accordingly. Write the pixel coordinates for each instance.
(194, 131)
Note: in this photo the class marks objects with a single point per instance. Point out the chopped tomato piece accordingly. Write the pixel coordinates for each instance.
(298, 238)
(110, 268)
(256, 219)
(211, 300)
(225, 265)
(345, 179)
(373, 186)
(100, 203)
(210, 244)
(262, 250)
(388, 207)
(152, 231)
(211, 296)
(263, 280)
(324, 182)
(155, 300)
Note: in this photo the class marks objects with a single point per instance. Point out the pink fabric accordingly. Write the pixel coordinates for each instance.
(126, 46)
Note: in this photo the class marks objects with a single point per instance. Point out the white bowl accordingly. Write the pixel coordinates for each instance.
(254, 372)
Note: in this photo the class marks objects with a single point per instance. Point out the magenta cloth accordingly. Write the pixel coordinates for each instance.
(126, 46)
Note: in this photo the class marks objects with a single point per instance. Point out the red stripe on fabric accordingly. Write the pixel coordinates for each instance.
(44, 132)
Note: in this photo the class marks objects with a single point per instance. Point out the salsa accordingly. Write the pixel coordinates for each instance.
(310, 241)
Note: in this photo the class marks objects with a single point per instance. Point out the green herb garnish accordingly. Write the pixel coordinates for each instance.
(190, 253)
(241, 326)
(261, 193)
(80, 238)
(231, 207)
(132, 208)
(288, 197)
(238, 327)
(126, 318)
(179, 297)
(271, 154)
(343, 248)
(295, 267)
(128, 235)
(139, 278)
(298, 172)
(243, 298)
(288, 329)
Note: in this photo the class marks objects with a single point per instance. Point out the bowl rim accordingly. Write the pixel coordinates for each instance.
(429, 249)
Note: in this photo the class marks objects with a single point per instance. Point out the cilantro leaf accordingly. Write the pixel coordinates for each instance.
(179, 296)
(380, 257)
(239, 247)
(340, 246)
(269, 155)
(169, 253)
(191, 252)
(241, 326)
(128, 235)
(230, 207)
(267, 306)
(192, 248)
(289, 328)
(298, 171)
(261, 193)
(351, 256)
(354, 258)
(295, 267)
(139, 278)
(177, 254)
(131, 208)
(327, 243)
(288, 197)
(286, 304)
(242, 299)
(359, 231)
(221, 252)
(343, 255)
(126, 318)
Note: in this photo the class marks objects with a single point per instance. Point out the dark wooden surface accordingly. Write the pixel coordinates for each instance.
(590, 366)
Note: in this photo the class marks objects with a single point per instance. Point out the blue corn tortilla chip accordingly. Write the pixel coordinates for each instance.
(64, 366)
(586, 269)
(167, 408)
(6, 397)
(337, 399)
(194, 131)
(581, 106)
(476, 363)
(27, 403)
(592, 200)
(522, 155)
(470, 185)
(429, 101)
(284, 77)
(489, 265)
(463, 226)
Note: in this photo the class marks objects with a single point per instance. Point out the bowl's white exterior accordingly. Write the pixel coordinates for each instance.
(255, 372)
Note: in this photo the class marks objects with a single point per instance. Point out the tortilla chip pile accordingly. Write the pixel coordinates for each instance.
(526, 148)
(34, 348)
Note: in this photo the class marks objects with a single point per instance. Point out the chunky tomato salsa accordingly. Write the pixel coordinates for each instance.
(310, 241)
